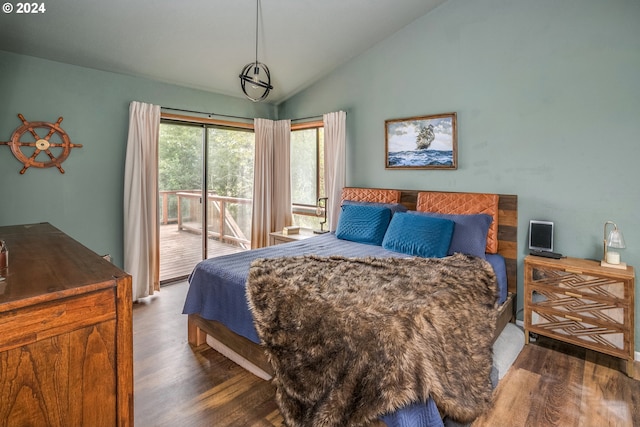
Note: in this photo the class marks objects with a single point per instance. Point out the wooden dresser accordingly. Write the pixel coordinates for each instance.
(578, 301)
(66, 342)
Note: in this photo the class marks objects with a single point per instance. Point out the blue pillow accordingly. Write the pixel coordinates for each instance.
(469, 234)
(419, 235)
(363, 223)
(395, 207)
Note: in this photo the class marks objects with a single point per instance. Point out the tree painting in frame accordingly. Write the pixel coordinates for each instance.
(427, 142)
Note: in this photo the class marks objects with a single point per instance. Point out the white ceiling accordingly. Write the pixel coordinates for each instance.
(204, 44)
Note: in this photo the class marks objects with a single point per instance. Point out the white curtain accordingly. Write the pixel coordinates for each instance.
(271, 180)
(140, 199)
(281, 191)
(262, 183)
(335, 130)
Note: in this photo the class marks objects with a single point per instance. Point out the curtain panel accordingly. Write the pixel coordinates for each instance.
(281, 191)
(271, 180)
(335, 131)
(141, 234)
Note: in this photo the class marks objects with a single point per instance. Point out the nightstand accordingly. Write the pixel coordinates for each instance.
(277, 237)
(578, 301)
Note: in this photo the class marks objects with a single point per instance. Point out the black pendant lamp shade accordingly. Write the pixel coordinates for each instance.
(255, 80)
(255, 77)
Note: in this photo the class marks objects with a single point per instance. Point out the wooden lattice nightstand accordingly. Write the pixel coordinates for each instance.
(578, 301)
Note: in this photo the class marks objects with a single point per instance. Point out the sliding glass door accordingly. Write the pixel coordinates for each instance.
(205, 176)
(229, 189)
(180, 186)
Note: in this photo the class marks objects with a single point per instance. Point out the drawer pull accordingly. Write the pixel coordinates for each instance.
(576, 319)
(571, 294)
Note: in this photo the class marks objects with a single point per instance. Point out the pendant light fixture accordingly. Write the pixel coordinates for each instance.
(255, 78)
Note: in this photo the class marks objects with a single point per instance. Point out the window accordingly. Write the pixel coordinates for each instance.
(307, 173)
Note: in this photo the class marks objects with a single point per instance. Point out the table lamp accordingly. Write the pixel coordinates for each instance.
(321, 210)
(613, 240)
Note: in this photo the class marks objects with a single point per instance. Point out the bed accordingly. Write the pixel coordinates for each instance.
(217, 303)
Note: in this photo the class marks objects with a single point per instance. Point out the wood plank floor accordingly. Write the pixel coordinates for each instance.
(556, 384)
(176, 385)
(180, 251)
(550, 384)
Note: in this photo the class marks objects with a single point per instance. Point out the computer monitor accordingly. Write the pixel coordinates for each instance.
(541, 235)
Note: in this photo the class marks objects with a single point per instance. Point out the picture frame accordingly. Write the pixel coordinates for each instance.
(423, 142)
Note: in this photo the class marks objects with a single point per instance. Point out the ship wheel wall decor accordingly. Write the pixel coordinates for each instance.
(49, 150)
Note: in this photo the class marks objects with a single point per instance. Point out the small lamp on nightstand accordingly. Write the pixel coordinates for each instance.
(321, 210)
(613, 240)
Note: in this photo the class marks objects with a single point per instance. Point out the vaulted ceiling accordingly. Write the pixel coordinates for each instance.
(204, 44)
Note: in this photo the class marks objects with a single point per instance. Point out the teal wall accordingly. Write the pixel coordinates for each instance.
(87, 201)
(547, 94)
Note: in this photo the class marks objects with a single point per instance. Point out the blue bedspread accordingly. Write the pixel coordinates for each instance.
(217, 292)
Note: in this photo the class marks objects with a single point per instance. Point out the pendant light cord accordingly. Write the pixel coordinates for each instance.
(257, 13)
(255, 79)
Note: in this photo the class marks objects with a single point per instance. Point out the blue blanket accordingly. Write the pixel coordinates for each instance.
(217, 292)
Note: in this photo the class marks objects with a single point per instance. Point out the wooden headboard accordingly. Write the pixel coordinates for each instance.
(507, 231)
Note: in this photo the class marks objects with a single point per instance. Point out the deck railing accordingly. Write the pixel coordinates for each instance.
(224, 221)
(167, 214)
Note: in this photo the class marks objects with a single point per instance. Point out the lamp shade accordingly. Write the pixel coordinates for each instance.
(615, 239)
(612, 240)
(255, 80)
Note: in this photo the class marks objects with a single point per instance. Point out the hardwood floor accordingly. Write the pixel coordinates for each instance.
(550, 384)
(556, 384)
(175, 385)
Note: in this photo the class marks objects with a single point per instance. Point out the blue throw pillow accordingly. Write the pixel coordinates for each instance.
(395, 207)
(419, 235)
(363, 223)
(469, 234)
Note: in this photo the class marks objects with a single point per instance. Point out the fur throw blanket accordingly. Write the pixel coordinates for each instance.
(352, 339)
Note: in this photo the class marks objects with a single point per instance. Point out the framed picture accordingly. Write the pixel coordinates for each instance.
(426, 142)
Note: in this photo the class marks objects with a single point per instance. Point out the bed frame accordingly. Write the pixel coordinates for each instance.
(250, 355)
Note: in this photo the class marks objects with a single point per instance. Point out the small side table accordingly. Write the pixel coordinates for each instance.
(578, 301)
(277, 237)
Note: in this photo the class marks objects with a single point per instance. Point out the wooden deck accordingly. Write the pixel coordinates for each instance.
(180, 251)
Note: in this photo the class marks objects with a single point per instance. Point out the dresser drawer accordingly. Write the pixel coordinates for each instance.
(576, 282)
(601, 311)
(581, 331)
(41, 321)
